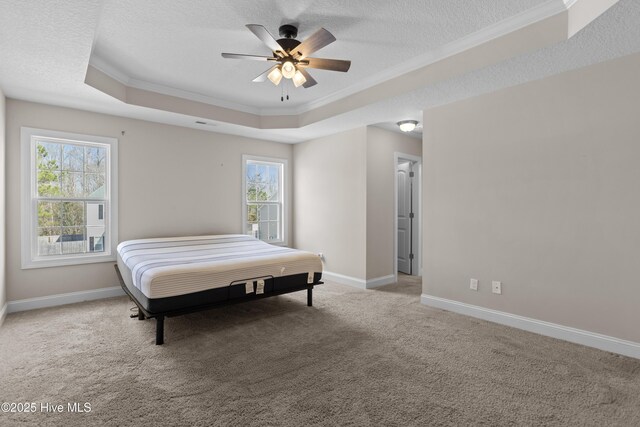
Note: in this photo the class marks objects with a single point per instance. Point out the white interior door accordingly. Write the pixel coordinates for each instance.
(404, 220)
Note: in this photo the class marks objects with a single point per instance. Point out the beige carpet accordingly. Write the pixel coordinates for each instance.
(355, 358)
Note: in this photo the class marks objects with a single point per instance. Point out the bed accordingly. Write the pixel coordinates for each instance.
(167, 277)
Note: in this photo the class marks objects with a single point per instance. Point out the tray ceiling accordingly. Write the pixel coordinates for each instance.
(173, 48)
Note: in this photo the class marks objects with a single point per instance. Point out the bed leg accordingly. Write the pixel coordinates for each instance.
(309, 297)
(159, 330)
(140, 315)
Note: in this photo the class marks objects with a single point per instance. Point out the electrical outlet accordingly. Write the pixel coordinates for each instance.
(496, 287)
(473, 284)
(321, 255)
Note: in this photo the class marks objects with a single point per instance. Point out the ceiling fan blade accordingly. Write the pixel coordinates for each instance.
(328, 64)
(251, 57)
(266, 37)
(263, 77)
(314, 42)
(310, 80)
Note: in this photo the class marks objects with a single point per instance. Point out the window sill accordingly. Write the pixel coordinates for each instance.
(67, 261)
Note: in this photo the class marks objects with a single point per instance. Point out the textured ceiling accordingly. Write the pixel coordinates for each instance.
(45, 48)
(176, 44)
(614, 34)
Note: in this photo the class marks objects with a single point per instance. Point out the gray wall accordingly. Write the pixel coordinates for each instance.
(344, 199)
(381, 145)
(3, 293)
(172, 181)
(330, 200)
(537, 186)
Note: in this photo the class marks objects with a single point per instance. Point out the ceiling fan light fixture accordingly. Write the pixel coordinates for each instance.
(407, 125)
(275, 76)
(299, 79)
(288, 69)
(288, 53)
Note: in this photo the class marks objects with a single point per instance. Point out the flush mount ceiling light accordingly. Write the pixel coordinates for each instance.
(292, 56)
(407, 125)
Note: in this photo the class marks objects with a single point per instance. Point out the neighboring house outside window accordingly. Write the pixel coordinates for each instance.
(69, 197)
(263, 207)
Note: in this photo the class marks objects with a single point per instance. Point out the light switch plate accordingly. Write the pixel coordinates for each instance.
(473, 284)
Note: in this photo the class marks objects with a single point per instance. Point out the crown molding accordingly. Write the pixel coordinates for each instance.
(113, 72)
(499, 29)
(550, 22)
(108, 69)
(531, 16)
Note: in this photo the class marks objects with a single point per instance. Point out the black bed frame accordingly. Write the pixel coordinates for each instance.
(233, 294)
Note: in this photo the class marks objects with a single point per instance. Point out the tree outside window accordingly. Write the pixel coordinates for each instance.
(264, 199)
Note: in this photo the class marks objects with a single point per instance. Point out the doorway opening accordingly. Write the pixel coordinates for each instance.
(408, 221)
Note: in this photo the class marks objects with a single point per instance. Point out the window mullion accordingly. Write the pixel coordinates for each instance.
(56, 231)
(269, 182)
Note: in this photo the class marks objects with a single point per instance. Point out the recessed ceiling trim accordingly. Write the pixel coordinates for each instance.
(532, 37)
(192, 96)
(121, 77)
(108, 69)
(509, 25)
(151, 99)
(582, 13)
(536, 28)
(140, 97)
(504, 27)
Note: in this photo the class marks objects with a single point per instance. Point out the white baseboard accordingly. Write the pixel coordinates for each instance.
(380, 281)
(358, 283)
(578, 336)
(61, 299)
(344, 280)
(3, 313)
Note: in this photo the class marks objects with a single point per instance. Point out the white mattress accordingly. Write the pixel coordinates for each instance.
(167, 267)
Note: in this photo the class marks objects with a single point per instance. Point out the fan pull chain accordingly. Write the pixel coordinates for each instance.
(284, 95)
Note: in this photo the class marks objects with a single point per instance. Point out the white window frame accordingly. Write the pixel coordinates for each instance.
(283, 183)
(28, 190)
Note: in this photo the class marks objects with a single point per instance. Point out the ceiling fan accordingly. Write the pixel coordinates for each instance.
(291, 57)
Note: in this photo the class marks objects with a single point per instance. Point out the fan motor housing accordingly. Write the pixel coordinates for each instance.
(289, 54)
(288, 44)
(288, 33)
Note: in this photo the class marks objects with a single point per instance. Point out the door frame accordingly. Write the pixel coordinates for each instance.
(417, 162)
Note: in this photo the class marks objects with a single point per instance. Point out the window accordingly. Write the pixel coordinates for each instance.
(263, 209)
(69, 198)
